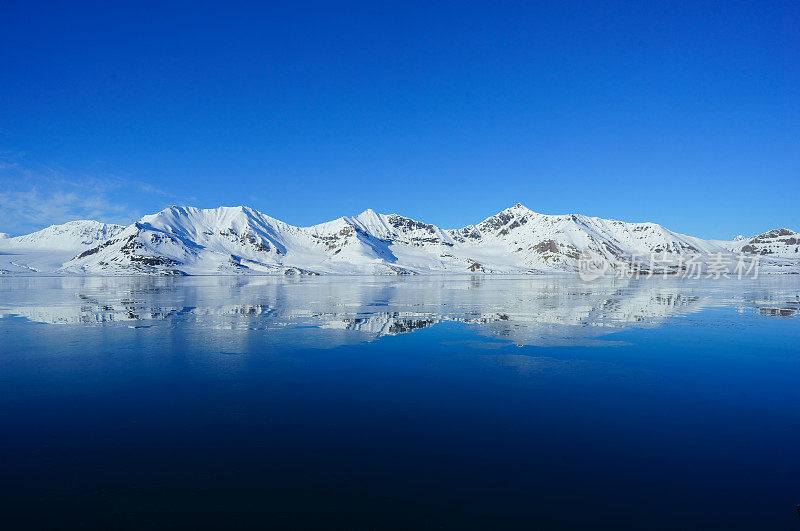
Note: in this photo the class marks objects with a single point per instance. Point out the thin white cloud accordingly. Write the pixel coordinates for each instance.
(23, 211)
(33, 198)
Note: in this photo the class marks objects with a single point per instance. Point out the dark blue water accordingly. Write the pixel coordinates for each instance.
(407, 403)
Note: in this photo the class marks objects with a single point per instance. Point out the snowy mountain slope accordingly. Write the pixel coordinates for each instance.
(46, 250)
(185, 240)
(775, 243)
(233, 240)
(71, 235)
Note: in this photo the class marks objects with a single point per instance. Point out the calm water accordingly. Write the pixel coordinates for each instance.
(371, 403)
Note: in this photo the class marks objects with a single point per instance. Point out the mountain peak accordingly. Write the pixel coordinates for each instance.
(72, 234)
(368, 215)
(237, 239)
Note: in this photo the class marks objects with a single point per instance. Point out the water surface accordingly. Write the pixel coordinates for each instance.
(412, 402)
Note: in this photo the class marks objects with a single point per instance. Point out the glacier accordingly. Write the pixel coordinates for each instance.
(240, 240)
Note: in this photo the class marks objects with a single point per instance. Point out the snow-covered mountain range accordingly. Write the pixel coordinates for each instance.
(235, 240)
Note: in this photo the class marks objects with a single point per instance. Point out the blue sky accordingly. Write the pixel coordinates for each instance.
(684, 113)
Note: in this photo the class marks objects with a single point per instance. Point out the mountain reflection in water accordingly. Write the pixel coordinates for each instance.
(219, 402)
(541, 311)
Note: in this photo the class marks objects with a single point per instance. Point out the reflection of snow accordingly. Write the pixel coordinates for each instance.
(527, 311)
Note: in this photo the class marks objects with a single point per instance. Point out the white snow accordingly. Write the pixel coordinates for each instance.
(235, 240)
(46, 250)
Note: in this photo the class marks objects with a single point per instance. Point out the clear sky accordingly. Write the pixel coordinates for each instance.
(682, 113)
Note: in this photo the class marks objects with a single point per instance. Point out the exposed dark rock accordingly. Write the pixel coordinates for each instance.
(546, 246)
(475, 266)
(152, 260)
(94, 250)
(408, 224)
(408, 325)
